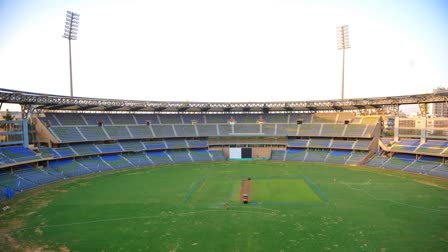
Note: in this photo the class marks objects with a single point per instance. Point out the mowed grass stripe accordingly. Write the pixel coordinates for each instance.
(283, 191)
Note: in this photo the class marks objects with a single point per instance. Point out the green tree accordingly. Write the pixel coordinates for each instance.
(8, 116)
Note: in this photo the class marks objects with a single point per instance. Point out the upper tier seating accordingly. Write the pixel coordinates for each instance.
(185, 130)
(170, 119)
(189, 118)
(433, 146)
(94, 119)
(304, 118)
(100, 127)
(325, 117)
(93, 133)
(406, 145)
(117, 132)
(69, 119)
(140, 131)
(122, 119)
(163, 130)
(275, 118)
(207, 129)
(147, 118)
(67, 134)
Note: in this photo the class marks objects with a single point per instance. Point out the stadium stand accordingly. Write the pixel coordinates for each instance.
(122, 119)
(67, 168)
(298, 143)
(278, 155)
(67, 134)
(316, 156)
(325, 118)
(320, 143)
(304, 118)
(65, 152)
(97, 142)
(163, 130)
(109, 148)
(69, 119)
(95, 164)
(138, 159)
(190, 118)
(362, 144)
(159, 157)
(433, 146)
(295, 155)
(342, 144)
(49, 152)
(83, 149)
(217, 155)
(116, 161)
(170, 119)
(155, 145)
(185, 130)
(15, 154)
(338, 156)
(15, 181)
(93, 133)
(206, 130)
(144, 119)
(197, 143)
(406, 144)
(276, 118)
(132, 145)
(95, 119)
(117, 132)
(140, 131)
(200, 155)
(176, 143)
(440, 171)
(179, 156)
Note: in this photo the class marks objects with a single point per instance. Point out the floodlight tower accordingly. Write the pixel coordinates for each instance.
(343, 43)
(71, 33)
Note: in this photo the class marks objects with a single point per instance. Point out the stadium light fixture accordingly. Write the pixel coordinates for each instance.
(343, 43)
(71, 33)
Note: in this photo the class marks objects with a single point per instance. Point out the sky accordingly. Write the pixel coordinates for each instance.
(209, 50)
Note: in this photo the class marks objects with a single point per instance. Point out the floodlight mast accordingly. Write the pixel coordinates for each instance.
(343, 43)
(71, 33)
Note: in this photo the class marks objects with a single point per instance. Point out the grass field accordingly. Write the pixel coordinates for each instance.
(283, 190)
(299, 207)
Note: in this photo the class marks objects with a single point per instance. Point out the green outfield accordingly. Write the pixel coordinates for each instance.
(294, 207)
(283, 190)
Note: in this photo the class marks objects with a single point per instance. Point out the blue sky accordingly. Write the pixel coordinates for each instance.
(225, 50)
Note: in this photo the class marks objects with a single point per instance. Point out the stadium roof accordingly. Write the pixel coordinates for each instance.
(58, 102)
